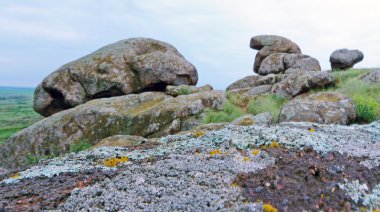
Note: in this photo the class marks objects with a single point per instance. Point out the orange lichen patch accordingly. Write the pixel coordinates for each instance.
(246, 159)
(311, 129)
(112, 162)
(199, 133)
(255, 151)
(215, 152)
(17, 175)
(269, 208)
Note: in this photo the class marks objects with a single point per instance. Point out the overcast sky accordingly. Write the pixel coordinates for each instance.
(38, 36)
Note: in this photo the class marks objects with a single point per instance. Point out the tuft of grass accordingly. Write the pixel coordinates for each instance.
(267, 103)
(367, 109)
(229, 113)
(184, 91)
(237, 99)
(342, 77)
(80, 146)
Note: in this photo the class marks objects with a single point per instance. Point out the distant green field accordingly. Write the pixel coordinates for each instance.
(16, 110)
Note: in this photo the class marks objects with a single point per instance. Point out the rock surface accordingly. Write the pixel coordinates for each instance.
(186, 89)
(324, 107)
(209, 172)
(128, 66)
(343, 59)
(371, 77)
(150, 114)
(261, 119)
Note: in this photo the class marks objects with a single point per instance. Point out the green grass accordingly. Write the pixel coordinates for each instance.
(80, 146)
(267, 103)
(16, 111)
(229, 113)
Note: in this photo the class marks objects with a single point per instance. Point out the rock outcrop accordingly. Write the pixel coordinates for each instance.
(343, 59)
(186, 89)
(324, 107)
(371, 77)
(128, 66)
(150, 114)
(282, 69)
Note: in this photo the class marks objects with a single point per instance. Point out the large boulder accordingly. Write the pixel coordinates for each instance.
(324, 107)
(269, 44)
(128, 66)
(343, 59)
(173, 90)
(150, 114)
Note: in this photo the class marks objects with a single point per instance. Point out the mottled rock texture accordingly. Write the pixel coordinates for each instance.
(324, 107)
(150, 114)
(129, 66)
(343, 59)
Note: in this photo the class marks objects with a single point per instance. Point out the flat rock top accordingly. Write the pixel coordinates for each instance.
(227, 169)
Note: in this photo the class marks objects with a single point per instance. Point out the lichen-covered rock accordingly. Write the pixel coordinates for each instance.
(324, 107)
(186, 89)
(299, 82)
(149, 114)
(269, 44)
(125, 67)
(246, 82)
(127, 141)
(343, 59)
(371, 77)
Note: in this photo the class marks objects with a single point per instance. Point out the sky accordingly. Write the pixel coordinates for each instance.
(38, 36)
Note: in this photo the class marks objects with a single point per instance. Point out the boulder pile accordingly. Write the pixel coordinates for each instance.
(282, 69)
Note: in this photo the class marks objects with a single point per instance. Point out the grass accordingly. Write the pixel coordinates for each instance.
(366, 97)
(16, 111)
(266, 103)
(229, 113)
(80, 146)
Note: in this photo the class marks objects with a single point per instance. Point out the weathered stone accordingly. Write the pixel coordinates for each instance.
(125, 67)
(324, 107)
(272, 64)
(343, 59)
(300, 62)
(258, 90)
(148, 114)
(300, 82)
(269, 44)
(261, 119)
(127, 141)
(186, 89)
(246, 82)
(371, 77)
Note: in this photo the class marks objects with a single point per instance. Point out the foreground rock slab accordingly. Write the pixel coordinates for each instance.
(226, 169)
(128, 66)
(150, 114)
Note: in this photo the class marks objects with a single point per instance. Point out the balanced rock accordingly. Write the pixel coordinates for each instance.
(324, 107)
(149, 114)
(128, 66)
(269, 44)
(343, 59)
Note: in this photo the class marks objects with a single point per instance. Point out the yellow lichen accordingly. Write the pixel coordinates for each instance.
(269, 208)
(274, 144)
(215, 152)
(255, 151)
(199, 133)
(17, 175)
(112, 162)
(311, 129)
(246, 159)
(246, 122)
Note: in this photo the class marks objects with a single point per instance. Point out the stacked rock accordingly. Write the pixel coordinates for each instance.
(280, 55)
(281, 69)
(343, 59)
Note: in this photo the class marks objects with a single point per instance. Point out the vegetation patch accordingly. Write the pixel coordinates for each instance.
(83, 144)
(267, 103)
(229, 113)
